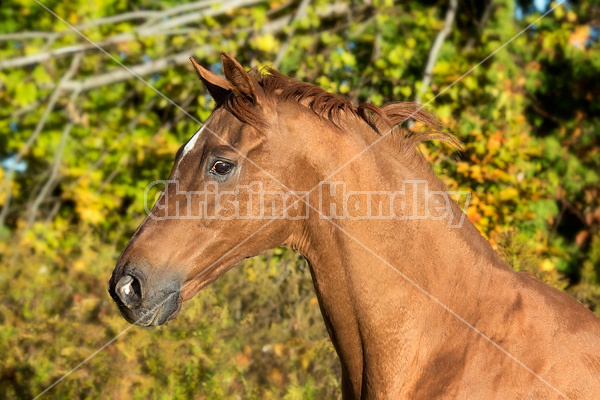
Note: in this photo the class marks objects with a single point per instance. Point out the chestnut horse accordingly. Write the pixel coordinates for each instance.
(417, 303)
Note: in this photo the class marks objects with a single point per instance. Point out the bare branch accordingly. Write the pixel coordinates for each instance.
(31, 140)
(26, 35)
(113, 19)
(61, 52)
(196, 16)
(145, 14)
(181, 58)
(120, 74)
(51, 179)
(160, 28)
(435, 49)
(300, 13)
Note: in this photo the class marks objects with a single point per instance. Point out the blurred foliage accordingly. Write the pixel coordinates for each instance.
(528, 116)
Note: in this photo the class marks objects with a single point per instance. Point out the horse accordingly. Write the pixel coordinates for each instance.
(415, 300)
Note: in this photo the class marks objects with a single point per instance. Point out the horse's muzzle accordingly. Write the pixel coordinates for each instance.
(138, 302)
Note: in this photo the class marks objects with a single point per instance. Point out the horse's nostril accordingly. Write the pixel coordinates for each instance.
(129, 290)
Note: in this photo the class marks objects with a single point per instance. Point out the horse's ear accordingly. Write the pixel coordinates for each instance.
(241, 82)
(218, 87)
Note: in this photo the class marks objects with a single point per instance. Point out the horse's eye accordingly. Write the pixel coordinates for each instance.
(221, 167)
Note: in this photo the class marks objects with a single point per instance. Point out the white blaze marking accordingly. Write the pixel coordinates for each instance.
(192, 142)
(189, 147)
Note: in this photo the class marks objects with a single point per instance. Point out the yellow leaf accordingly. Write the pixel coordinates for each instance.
(508, 194)
(559, 12)
(547, 265)
(279, 349)
(79, 265)
(266, 43)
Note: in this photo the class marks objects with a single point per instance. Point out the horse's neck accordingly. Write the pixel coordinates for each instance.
(375, 278)
(374, 261)
(429, 249)
(403, 300)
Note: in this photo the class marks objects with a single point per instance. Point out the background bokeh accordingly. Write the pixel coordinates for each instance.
(80, 138)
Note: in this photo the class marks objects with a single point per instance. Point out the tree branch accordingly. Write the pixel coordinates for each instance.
(300, 13)
(195, 16)
(162, 27)
(181, 58)
(52, 178)
(31, 140)
(120, 74)
(63, 51)
(435, 48)
(113, 19)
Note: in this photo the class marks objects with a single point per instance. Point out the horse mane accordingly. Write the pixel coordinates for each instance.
(336, 109)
